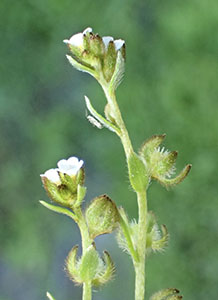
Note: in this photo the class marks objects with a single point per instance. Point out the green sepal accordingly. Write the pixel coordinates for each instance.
(80, 177)
(89, 264)
(60, 210)
(81, 192)
(107, 273)
(96, 45)
(176, 180)
(101, 119)
(109, 61)
(118, 73)
(102, 216)
(71, 266)
(150, 145)
(49, 296)
(162, 163)
(79, 65)
(69, 182)
(138, 174)
(155, 240)
(58, 193)
(167, 294)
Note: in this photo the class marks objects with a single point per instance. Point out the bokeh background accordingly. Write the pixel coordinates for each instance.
(170, 86)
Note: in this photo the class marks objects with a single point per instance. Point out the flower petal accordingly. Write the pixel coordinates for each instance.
(106, 40)
(52, 175)
(76, 40)
(87, 30)
(119, 44)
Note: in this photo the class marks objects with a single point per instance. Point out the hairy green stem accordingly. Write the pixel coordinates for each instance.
(139, 259)
(124, 136)
(87, 291)
(86, 242)
(141, 247)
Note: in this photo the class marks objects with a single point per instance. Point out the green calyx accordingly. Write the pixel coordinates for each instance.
(156, 238)
(101, 216)
(90, 267)
(161, 163)
(69, 192)
(98, 56)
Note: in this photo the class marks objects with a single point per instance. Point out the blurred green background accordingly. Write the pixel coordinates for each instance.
(170, 86)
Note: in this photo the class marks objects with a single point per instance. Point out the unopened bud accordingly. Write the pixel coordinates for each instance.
(102, 216)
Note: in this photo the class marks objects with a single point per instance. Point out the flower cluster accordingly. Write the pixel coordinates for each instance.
(96, 55)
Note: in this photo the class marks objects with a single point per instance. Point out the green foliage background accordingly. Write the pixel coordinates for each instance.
(170, 86)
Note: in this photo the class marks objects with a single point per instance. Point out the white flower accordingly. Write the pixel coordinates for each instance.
(106, 40)
(117, 43)
(77, 39)
(52, 175)
(70, 166)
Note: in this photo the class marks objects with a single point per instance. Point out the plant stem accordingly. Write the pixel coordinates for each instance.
(87, 291)
(127, 145)
(139, 260)
(141, 247)
(86, 242)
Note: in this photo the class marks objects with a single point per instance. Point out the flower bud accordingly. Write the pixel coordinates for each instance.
(62, 183)
(102, 216)
(100, 57)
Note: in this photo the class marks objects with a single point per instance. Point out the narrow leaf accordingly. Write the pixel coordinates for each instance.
(80, 67)
(58, 209)
(101, 119)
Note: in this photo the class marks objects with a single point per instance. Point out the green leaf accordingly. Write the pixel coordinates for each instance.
(81, 67)
(58, 209)
(138, 174)
(101, 119)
